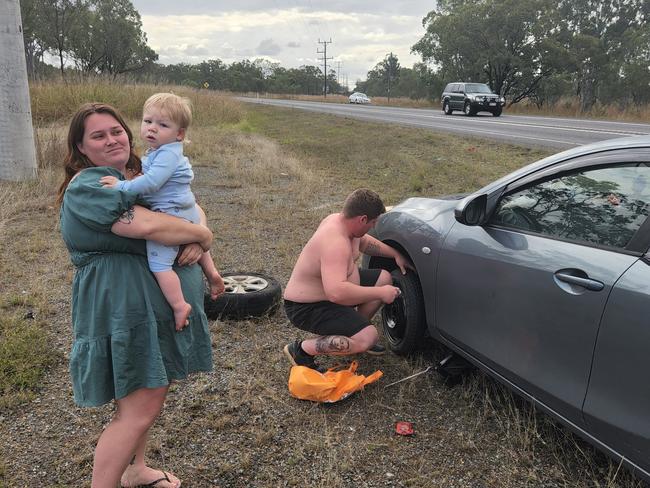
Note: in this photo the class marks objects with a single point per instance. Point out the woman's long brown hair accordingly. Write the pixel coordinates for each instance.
(75, 161)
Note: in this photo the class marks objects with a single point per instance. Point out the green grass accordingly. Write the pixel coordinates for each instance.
(395, 161)
(25, 354)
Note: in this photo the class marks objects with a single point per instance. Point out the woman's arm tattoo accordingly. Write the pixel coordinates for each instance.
(329, 344)
(127, 217)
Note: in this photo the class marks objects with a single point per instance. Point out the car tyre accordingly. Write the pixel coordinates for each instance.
(403, 320)
(446, 108)
(247, 295)
(467, 109)
(497, 112)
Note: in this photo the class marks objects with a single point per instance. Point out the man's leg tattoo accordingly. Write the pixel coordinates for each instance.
(330, 344)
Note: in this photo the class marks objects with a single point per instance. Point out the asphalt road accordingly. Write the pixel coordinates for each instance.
(553, 132)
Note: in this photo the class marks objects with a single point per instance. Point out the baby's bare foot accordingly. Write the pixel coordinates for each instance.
(181, 316)
(217, 286)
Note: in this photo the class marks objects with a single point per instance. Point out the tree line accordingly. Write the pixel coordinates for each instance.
(538, 50)
(542, 50)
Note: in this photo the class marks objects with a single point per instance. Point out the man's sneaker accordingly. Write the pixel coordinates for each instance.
(298, 357)
(376, 350)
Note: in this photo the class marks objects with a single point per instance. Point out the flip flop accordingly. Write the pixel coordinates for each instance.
(154, 483)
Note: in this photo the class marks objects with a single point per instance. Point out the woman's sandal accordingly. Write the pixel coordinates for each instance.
(154, 483)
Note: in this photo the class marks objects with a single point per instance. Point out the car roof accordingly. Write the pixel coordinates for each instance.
(466, 83)
(593, 148)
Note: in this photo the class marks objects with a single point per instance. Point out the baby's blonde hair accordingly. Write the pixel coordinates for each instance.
(179, 109)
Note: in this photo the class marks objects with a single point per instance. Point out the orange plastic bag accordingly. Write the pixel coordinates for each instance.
(329, 387)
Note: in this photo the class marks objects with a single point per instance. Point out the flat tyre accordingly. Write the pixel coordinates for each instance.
(403, 321)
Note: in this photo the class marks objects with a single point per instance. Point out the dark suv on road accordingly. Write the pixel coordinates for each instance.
(471, 98)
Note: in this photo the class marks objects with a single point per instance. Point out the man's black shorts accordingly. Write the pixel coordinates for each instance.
(327, 318)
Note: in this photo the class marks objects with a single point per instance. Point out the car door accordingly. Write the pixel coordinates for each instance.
(525, 293)
(617, 407)
(457, 97)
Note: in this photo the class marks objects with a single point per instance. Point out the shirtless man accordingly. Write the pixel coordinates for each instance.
(328, 295)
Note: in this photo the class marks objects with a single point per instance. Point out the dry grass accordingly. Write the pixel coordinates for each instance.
(56, 102)
(265, 183)
(570, 107)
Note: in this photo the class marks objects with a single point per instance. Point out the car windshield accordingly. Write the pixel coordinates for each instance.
(477, 88)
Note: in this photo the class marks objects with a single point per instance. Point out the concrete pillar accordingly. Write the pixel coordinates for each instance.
(17, 153)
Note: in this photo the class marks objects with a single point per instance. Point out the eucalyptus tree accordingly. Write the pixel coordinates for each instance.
(57, 19)
(606, 42)
(390, 71)
(47, 28)
(505, 43)
(381, 80)
(108, 39)
(34, 45)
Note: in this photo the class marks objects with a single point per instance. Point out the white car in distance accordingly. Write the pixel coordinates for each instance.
(358, 97)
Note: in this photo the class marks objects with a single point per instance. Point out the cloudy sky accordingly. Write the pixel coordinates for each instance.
(286, 31)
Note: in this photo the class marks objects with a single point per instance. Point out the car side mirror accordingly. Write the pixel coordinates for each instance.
(471, 210)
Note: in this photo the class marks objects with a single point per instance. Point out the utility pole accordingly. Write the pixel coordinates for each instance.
(325, 58)
(390, 69)
(17, 153)
(338, 72)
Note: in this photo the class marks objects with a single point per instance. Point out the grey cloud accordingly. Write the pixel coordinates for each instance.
(293, 44)
(268, 47)
(196, 51)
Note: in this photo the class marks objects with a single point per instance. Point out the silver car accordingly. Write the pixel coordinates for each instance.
(542, 280)
(358, 97)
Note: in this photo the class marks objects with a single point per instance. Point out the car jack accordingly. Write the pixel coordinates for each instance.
(452, 368)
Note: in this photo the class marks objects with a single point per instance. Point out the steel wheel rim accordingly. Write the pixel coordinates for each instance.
(244, 283)
(394, 314)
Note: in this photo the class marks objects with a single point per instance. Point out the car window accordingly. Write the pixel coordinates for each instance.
(477, 88)
(458, 88)
(602, 206)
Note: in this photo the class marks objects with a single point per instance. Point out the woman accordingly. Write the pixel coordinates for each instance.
(125, 344)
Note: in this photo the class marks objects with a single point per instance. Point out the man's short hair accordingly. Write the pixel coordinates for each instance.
(363, 202)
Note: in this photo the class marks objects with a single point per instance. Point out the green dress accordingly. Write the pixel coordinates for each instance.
(124, 334)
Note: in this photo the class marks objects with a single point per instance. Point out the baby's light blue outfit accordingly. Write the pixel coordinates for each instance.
(165, 187)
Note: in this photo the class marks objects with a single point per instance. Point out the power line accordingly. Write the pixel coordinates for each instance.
(325, 58)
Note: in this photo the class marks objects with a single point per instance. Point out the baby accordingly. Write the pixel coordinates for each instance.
(165, 186)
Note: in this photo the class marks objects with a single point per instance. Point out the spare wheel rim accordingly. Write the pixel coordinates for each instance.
(244, 283)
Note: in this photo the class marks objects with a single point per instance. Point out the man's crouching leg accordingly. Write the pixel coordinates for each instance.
(338, 345)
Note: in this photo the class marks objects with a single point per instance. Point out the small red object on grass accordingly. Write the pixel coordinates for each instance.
(404, 428)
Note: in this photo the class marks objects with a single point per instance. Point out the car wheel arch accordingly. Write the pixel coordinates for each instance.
(426, 280)
(388, 263)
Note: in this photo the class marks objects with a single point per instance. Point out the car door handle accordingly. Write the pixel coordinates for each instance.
(587, 283)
